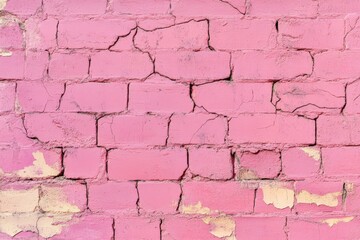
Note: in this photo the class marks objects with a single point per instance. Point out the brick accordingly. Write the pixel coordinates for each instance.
(41, 34)
(36, 65)
(137, 228)
(129, 65)
(246, 34)
(271, 128)
(67, 129)
(159, 96)
(211, 163)
(341, 161)
(84, 162)
(264, 164)
(68, 7)
(188, 66)
(30, 163)
(11, 35)
(331, 7)
(159, 197)
(61, 198)
(203, 8)
(99, 34)
(7, 97)
(197, 128)
(38, 96)
(18, 197)
(352, 196)
(271, 64)
(312, 34)
(352, 97)
(23, 7)
(128, 130)
(12, 132)
(301, 162)
(168, 164)
(68, 66)
(137, 7)
(336, 65)
(12, 65)
(296, 8)
(101, 196)
(227, 197)
(230, 98)
(191, 36)
(110, 97)
(248, 228)
(338, 130)
(352, 32)
(309, 98)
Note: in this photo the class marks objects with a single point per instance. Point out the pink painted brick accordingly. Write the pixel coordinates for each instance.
(352, 197)
(7, 96)
(128, 130)
(12, 132)
(38, 96)
(230, 98)
(271, 64)
(159, 95)
(67, 129)
(203, 8)
(265, 128)
(101, 196)
(11, 36)
(352, 31)
(125, 43)
(245, 34)
(41, 34)
(84, 162)
(191, 35)
(309, 98)
(352, 97)
(95, 97)
(12, 67)
(312, 34)
(137, 7)
(332, 7)
(341, 161)
(168, 164)
(36, 65)
(68, 66)
(342, 130)
(23, 7)
(248, 228)
(227, 197)
(151, 24)
(97, 33)
(132, 65)
(128, 228)
(69, 7)
(264, 164)
(300, 162)
(197, 128)
(187, 66)
(298, 8)
(211, 163)
(159, 197)
(63, 197)
(336, 65)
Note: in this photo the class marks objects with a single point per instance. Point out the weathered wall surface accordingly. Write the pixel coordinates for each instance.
(179, 119)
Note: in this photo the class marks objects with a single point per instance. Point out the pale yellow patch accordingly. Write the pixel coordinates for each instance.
(50, 226)
(5, 53)
(222, 226)
(247, 174)
(11, 224)
(2, 4)
(312, 152)
(19, 200)
(333, 221)
(349, 187)
(39, 168)
(329, 199)
(278, 196)
(54, 200)
(8, 20)
(195, 209)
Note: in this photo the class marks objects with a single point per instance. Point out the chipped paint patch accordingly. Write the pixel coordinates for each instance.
(312, 152)
(349, 187)
(278, 196)
(329, 199)
(54, 200)
(247, 174)
(222, 226)
(12, 200)
(50, 226)
(12, 224)
(195, 209)
(5, 53)
(333, 221)
(2, 4)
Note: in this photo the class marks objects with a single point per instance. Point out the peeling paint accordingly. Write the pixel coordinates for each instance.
(278, 196)
(312, 152)
(50, 226)
(247, 174)
(195, 209)
(12, 224)
(329, 199)
(54, 200)
(5, 53)
(2, 4)
(333, 221)
(222, 226)
(13, 200)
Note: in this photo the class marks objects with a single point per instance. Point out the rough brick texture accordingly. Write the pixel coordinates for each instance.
(179, 119)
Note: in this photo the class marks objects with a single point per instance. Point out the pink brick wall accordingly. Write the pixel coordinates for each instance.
(179, 119)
